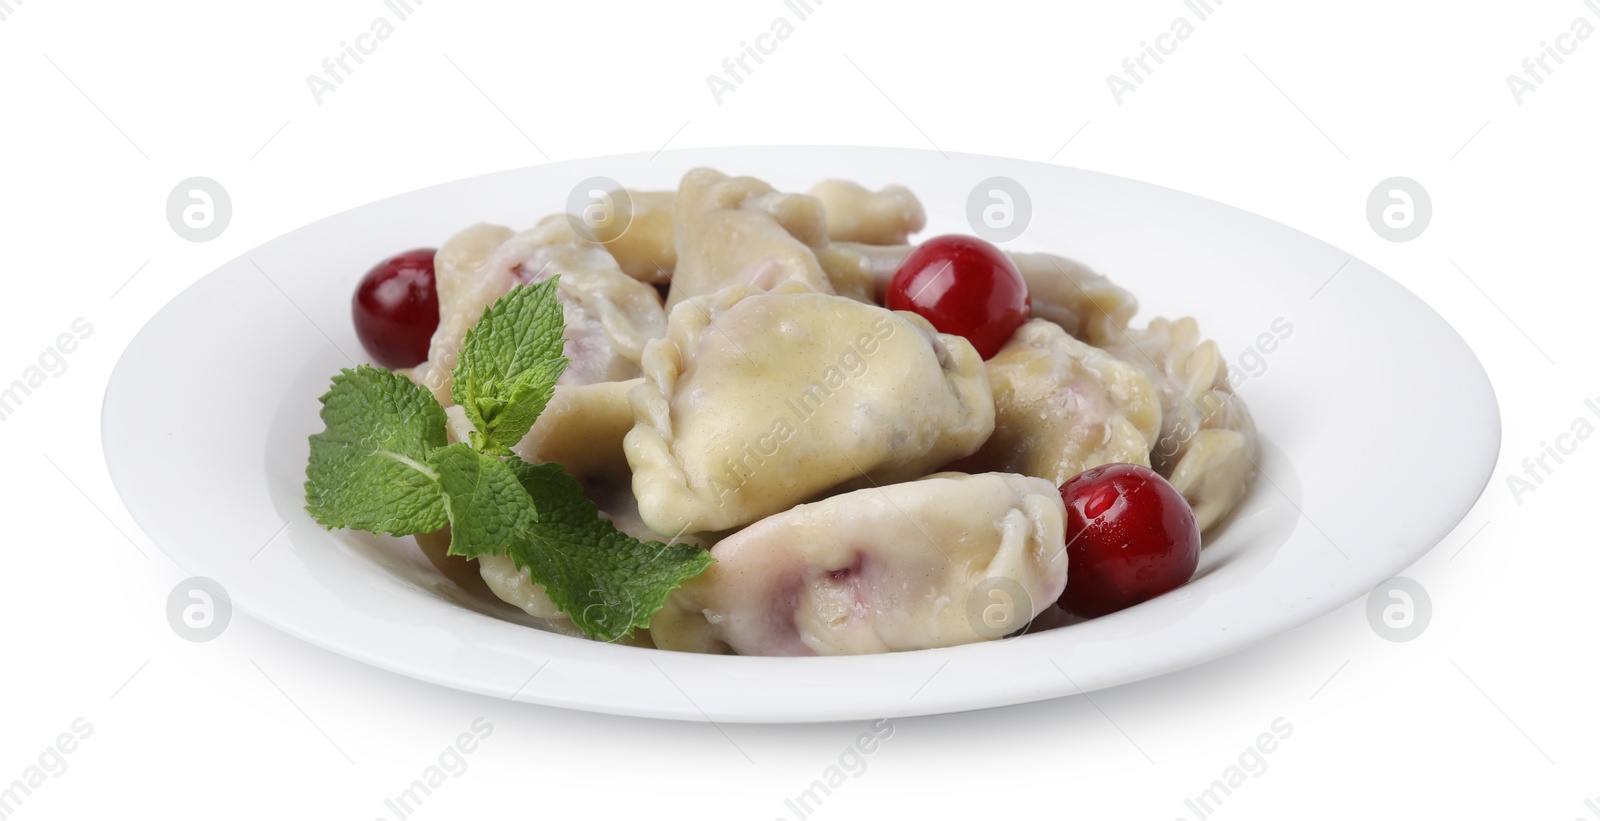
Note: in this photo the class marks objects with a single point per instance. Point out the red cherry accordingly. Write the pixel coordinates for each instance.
(396, 309)
(964, 286)
(1131, 536)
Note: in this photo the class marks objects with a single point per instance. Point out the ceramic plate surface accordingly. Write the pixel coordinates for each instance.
(1368, 376)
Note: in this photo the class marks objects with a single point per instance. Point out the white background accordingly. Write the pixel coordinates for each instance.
(1293, 111)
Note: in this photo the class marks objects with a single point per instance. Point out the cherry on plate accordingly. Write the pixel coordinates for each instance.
(1131, 536)
(396, 309)
(964, 286)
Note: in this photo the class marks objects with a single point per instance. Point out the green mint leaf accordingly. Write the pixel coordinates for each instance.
(509, 363)
(488, 508)
(369, 469)
(621, 581)
(606, 581)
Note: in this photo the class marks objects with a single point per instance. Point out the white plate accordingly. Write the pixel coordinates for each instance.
(1370, 377)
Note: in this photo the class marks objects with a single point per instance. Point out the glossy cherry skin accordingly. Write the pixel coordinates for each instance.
(396, 309)
(1131, 536)
(964, 286)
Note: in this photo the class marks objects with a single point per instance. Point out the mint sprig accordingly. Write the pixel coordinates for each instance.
(384, 465)
(509, 363)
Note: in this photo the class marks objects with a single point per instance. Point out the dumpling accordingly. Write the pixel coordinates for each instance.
(515, 586)
(644, 246)
(739, 231)
(1089, 306)
(947, 560)
(1062, 406)
(609, 315)
(862, 271)
(754, 402)
(1208, 446)
(858, 214)
(582, 428)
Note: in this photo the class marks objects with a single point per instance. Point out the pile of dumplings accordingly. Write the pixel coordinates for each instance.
(736, 383)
